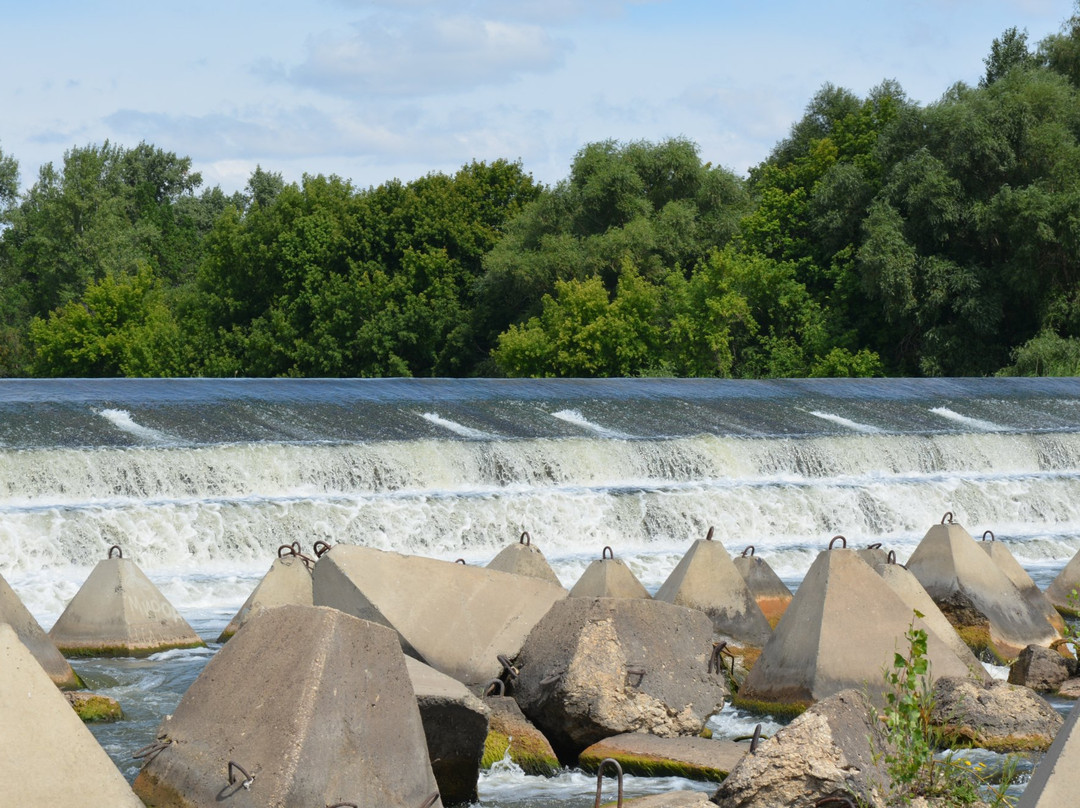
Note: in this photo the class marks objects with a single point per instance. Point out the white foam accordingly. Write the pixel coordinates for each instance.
(973, 423)
(455, 427)
(122, 420)
(844, 422)
(577, 419)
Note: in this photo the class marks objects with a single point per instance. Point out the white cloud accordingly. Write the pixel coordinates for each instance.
(395, 55)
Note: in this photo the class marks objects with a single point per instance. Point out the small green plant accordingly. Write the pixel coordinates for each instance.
(911, 740)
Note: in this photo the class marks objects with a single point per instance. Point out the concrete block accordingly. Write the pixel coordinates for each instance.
(288, 581)
(524, 558)
(608, 577)
(33, 636)
(771, 594)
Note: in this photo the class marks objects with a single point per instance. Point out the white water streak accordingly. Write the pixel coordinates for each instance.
(122, 420)
(964, 420)
(455, 427)
(844, 422)
(577, 419)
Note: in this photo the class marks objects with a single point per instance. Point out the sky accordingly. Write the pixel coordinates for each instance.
(381, 89)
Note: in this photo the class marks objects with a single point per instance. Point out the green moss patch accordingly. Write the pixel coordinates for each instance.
(651, 766)
(122, 650)
(777, 709)
(528, 753)
(91, 707)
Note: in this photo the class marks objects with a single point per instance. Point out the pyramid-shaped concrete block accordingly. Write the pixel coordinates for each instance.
(1060, 591)
(771, 594)
(842, 630)
(911, 592)
(980, 600)
(456, 618)
(288, 582)
(1001, 555)
(1053, 783)
(119, 612)
(524, 559)
(608, 577)
(47, 755)
(33, 636)
(305, 706)
(706, 579)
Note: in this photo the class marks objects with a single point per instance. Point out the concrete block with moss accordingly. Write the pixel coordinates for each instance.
(509, 731)
(647, 755)
(93, 708)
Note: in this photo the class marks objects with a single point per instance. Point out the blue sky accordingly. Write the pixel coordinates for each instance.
(372, 90)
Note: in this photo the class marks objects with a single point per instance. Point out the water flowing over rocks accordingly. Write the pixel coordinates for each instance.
(328, 716)
(996, 715)
(597, 667)
(511, 733)
(828, 750)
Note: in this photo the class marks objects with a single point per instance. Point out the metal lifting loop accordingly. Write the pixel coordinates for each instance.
(755, 740)
(891, 557)
(119, 552)
(749, 551)
(343, 805)
(320, 548)
(607, 553)
(525, 539)
(287, 549)
(248, 778)
(462, 562)
(492, 685)
(715, 664)
(947, 519)
(989, 533)
(150, 751)
(842, 540)
(835, 799)
(510, 670)
(600, 779)
(875, 546)
(709, 535)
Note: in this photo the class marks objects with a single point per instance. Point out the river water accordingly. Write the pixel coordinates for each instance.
(199, 481)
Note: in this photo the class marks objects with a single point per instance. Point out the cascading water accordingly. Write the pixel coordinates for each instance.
(201, 480)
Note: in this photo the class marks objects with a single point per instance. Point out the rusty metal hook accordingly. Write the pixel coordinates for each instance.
(248, 778)
(709, 535)
(714, 658)
(288, 549)
(755, 740)
(749, 549)
(947, 518)
(508, 668)
(490, 686)
(835, 799)
(600, 779)
(320, 548)
(462, 562)
(875, 546)
(989, 533)
(841, 538)
(607, 552)
(891, 557)
(119, 552)
(434, 798)
(525, 539)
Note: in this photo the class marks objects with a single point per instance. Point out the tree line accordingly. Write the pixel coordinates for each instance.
(881, 237)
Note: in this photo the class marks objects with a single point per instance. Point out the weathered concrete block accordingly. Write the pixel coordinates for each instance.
(314, 706)
(510, 732)
(1053, 783)
(455, 725)
(1001, 555)
(524, 559)
(47, 756)
(996, 715)
(772, 595)
(650, 756)
(1061, 588)
(288, 581)
(597, 667)
(608, 577)
(16, 615)
(979, 599)
(1039, 668)
(455, 618)
(832, 749)
(706, 579)
(119, 612)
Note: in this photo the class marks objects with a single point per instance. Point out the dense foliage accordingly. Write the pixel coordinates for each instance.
(879, 237)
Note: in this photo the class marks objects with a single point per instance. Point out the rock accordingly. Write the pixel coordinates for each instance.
(455, 618)
(771, 594)
(47, 755)
(828, 750)
(842, 629)
(91, 707)
(980, 600)
(16, 615)
(706, 579)
(608, 577)
(1039, 668)
(650, 756)
(119, 612)
(1053, 783)
(597, 667)
(288, 581)
(524, 559)
(1070, 689)
(455, 725)
(998, 716)
(510, 732)
(315, 706)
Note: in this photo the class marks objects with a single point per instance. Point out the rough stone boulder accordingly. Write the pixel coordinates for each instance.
(305, 706)
(829, 750)
(455, 725)
(1040, 669)
(597, 667)
(996, 716)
